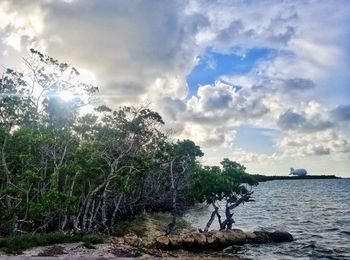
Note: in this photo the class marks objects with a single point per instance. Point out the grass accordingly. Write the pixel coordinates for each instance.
(15, 244)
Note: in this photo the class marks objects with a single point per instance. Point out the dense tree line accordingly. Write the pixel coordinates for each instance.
(61, 169)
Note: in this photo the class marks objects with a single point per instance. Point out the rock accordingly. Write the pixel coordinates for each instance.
(250, 236)
(163, 241)
(116, 240)
(132, 240)
(230, 237)
(217, 239)
(150, 243)
(187, 240)
(53, 251)
(268, 237)
(175, 241)
(199, 239)
(281, 236)
(222, 238)
(261, 237)
(236, 237)
(211, 240)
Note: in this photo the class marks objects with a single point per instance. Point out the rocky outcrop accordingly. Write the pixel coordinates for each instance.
(192, 244)
(262, 237)
(218, 239)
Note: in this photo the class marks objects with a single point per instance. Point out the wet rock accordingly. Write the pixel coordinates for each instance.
(262, 237)
(281, 236)
(250, 236)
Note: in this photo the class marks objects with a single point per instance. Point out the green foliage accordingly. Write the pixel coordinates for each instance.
(51, 204)
(211, 184)
(17, 243)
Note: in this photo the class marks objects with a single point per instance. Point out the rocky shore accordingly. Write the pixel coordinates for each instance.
(190, 244)
(218, 239)
(144, 237)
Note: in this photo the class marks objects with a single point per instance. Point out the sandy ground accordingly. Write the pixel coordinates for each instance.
(76, 250)
(102, 251)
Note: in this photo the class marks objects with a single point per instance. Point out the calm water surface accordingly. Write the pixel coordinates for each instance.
(316, 212)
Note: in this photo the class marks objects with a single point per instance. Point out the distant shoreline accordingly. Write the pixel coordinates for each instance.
(263, 178)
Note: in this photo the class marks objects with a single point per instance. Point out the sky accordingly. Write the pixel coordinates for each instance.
(261, 82)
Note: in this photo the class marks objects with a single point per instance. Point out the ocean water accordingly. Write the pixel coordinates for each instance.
(315, 212)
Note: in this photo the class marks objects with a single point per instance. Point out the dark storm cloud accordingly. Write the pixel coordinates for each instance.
(294, 121)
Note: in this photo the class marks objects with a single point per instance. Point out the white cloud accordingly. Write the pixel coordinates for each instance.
(207, 136)
(141, 52)
(320, 143)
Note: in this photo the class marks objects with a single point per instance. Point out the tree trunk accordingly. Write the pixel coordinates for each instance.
(212, 217)
(172, 224)
(4, 163)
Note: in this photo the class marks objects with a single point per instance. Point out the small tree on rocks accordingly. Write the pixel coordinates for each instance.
(228, 184)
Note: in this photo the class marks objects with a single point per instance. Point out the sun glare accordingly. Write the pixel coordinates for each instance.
(66, 95)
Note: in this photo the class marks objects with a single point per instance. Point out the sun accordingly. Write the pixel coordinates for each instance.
(66, 95)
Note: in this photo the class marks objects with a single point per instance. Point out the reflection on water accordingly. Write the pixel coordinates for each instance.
(316, 212)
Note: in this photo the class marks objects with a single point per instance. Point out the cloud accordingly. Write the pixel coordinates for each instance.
(215, 98)
(141, 52)
(245, 157)
(207, 136)
(127, 45)
(319, 143)
(305, 123)
(298, 84)
(245, 24)
(171, 107)
(224, 101)
(341, 113)
(291, 120)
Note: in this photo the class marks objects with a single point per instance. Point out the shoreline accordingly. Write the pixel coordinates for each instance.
(144, 237)
(264, 178)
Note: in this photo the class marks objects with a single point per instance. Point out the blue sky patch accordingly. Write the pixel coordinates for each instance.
(256, 140)
(212, 65)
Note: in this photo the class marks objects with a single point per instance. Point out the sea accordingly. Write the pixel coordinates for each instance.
(315, 212)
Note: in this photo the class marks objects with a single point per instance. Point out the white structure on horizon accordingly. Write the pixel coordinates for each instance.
(298, 172)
